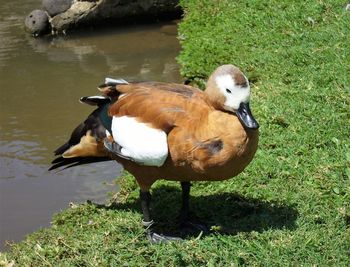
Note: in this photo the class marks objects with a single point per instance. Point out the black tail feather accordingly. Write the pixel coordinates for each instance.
(62, 149)
(94, 125)
(72, 162)
(57, 160)
(74, 139)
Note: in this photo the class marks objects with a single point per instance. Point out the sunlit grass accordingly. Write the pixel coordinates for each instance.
(292, 204)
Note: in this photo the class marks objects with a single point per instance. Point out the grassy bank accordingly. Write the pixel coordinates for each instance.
(292, 204)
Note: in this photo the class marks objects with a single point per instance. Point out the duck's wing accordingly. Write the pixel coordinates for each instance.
(161, 105)
(145, 115)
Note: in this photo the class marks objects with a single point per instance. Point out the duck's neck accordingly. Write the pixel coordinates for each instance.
(216, 99)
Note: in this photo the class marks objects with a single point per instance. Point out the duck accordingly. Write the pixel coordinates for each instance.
(176, 132)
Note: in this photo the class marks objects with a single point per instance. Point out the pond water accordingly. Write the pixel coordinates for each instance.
(41, 81)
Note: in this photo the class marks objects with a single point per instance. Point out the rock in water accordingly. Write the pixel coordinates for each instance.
(54, 7)
(68, 14)
(37, 22)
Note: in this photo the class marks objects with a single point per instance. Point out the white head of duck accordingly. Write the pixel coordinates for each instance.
(228, 89)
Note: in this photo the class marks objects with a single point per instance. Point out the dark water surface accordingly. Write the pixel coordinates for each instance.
(41, 81)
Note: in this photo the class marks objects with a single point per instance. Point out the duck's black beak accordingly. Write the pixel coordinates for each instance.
(245, 116)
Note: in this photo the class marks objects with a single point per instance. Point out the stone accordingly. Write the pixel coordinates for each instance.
(78, 12)
(54, 7)
(37, 22)
(65, 15)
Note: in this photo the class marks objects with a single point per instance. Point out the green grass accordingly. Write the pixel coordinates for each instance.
(291, 206)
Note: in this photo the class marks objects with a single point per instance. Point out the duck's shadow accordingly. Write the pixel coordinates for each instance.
(225, 213)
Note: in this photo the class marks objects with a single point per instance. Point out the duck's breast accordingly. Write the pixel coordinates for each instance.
(220, 146)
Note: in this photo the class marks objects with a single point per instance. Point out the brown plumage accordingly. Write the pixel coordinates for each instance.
(193, 126)
(205, 138)
(217, 150)
(162, 105)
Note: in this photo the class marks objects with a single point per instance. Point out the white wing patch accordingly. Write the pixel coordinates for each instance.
(144, 144)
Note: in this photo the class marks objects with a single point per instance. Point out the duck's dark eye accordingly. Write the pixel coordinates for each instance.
(228, 91)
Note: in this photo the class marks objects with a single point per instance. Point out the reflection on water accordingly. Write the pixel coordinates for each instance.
(41, 81)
